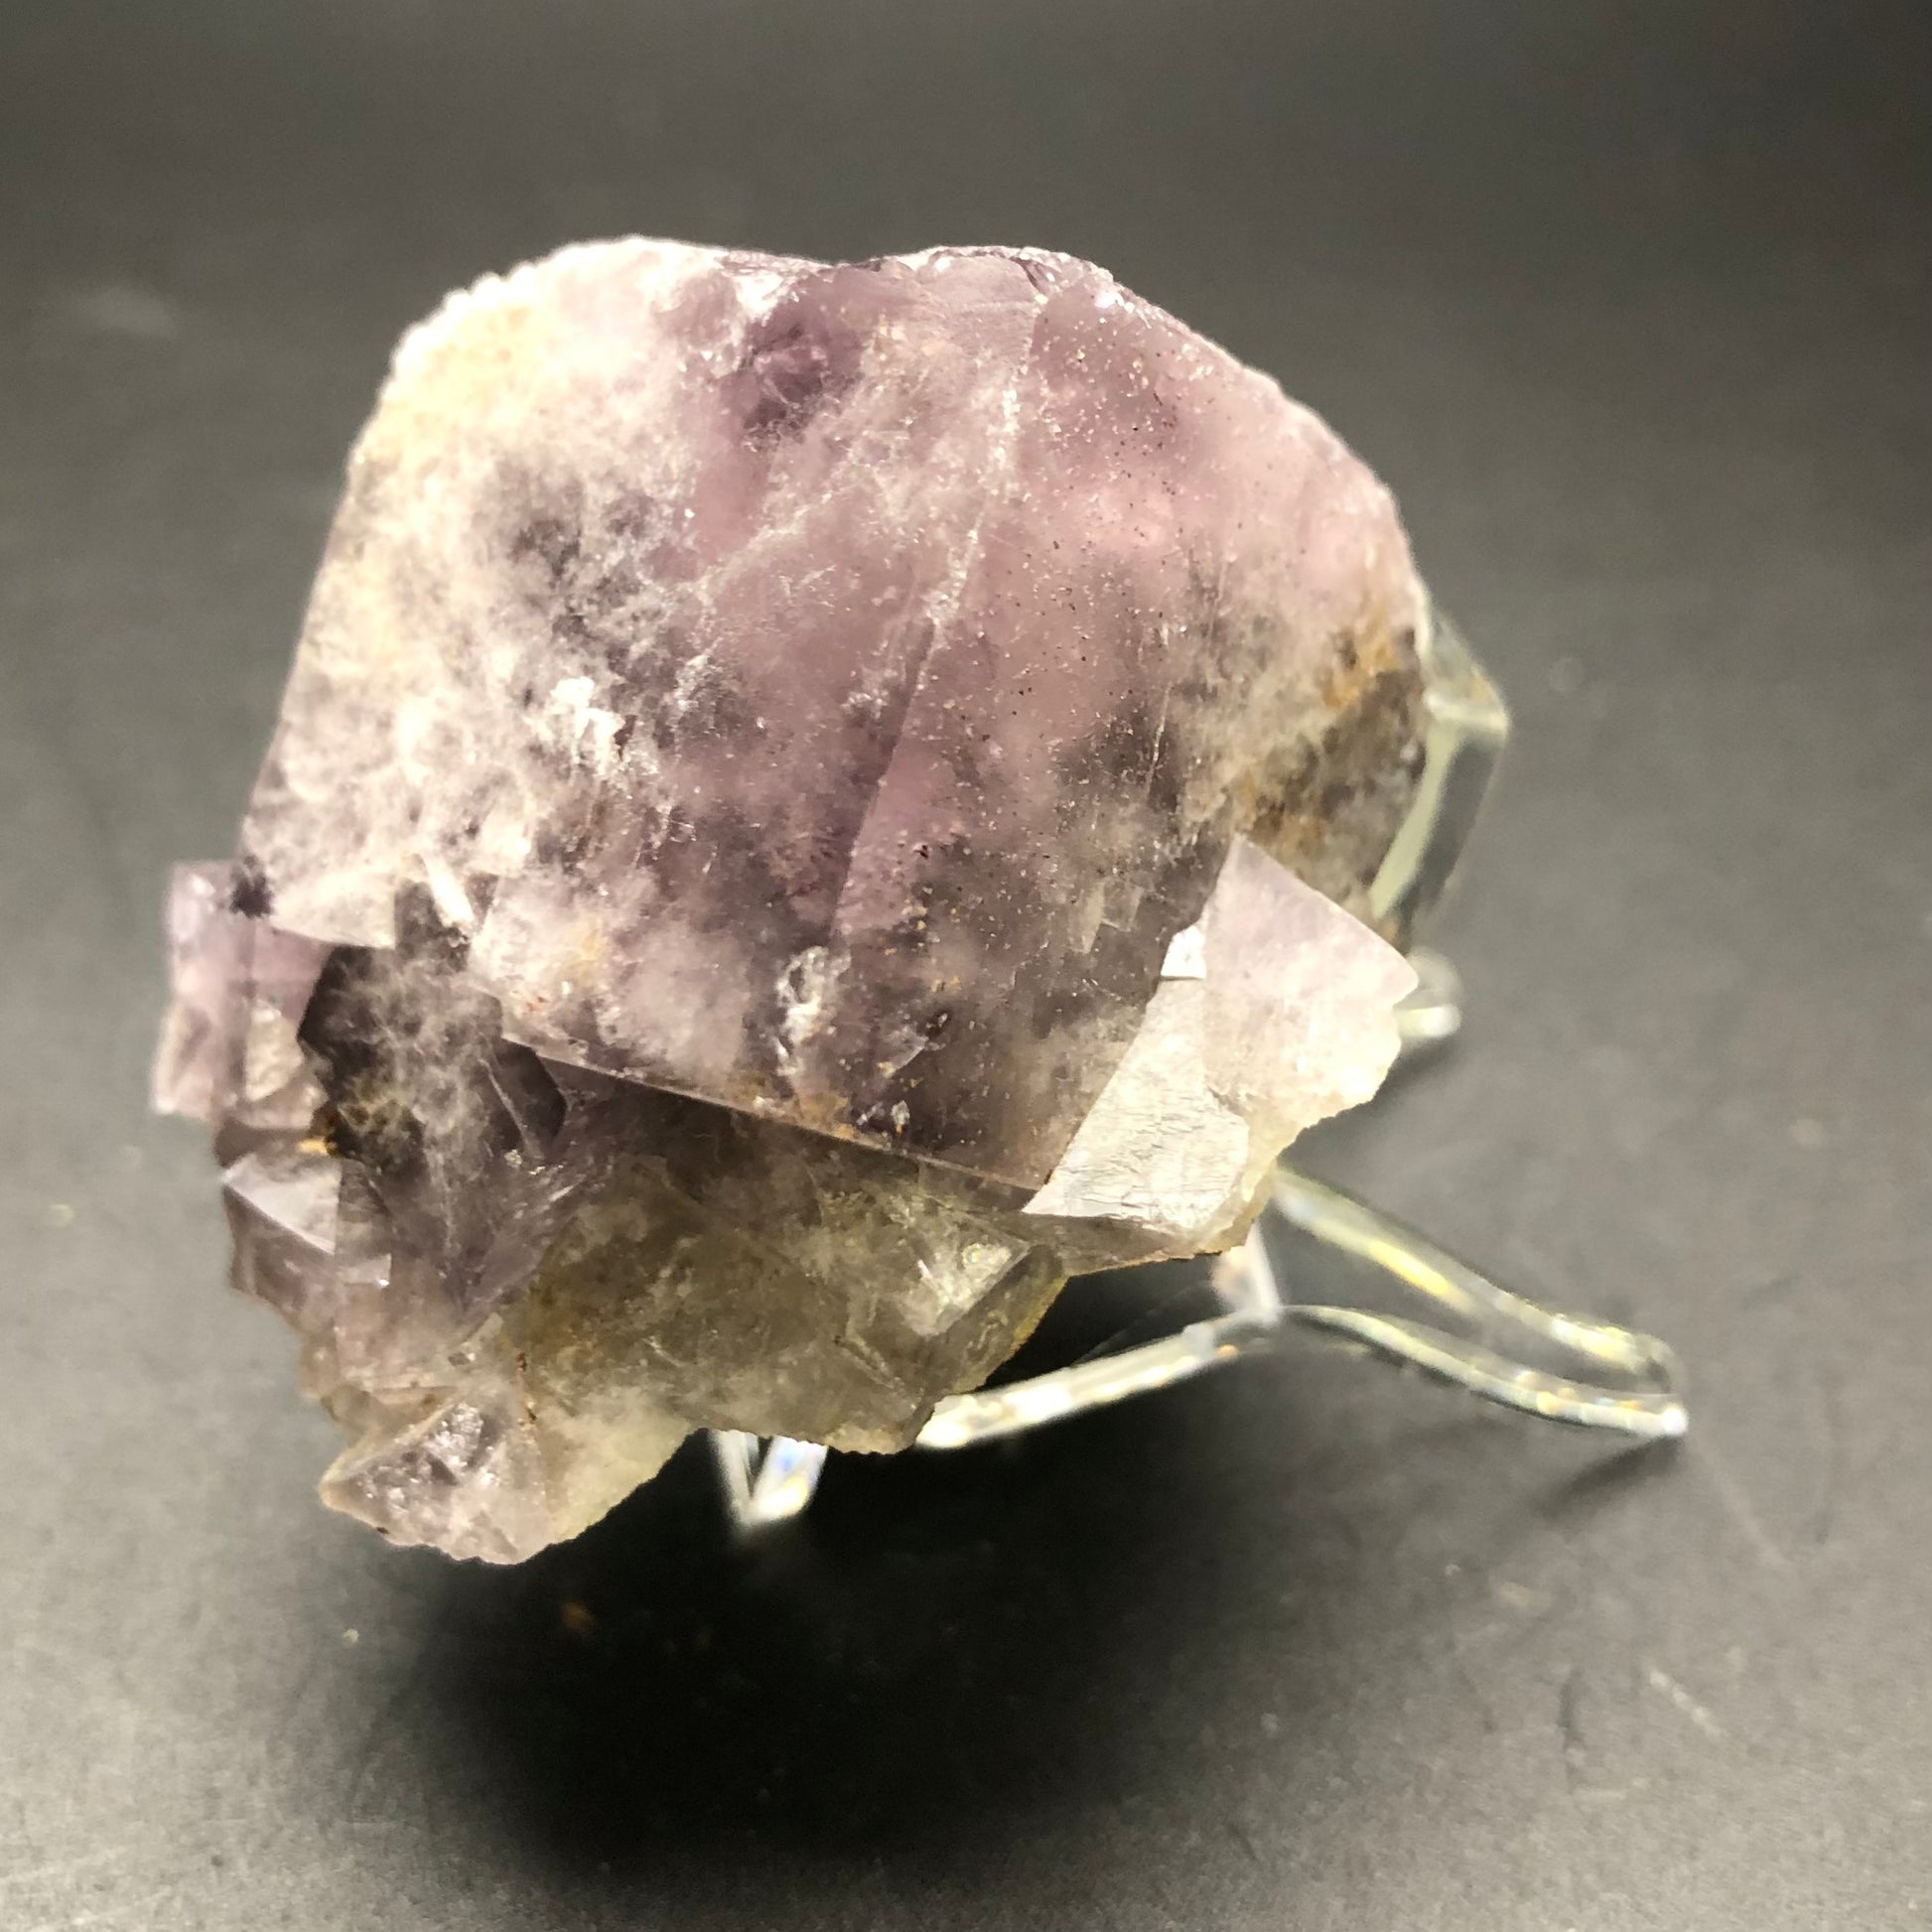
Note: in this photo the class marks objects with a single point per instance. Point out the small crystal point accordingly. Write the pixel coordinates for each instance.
(813, 801)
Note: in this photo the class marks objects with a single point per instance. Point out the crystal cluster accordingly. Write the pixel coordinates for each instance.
(812, 803)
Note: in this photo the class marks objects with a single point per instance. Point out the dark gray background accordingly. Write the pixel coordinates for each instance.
(1629, 303)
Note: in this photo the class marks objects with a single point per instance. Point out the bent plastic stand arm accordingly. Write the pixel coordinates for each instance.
(1255, 1318)
(1653, 1408)
(766, 1482)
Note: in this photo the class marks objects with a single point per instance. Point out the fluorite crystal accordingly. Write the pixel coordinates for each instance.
(812, 803)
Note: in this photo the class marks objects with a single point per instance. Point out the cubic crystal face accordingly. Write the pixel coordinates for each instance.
(812, 802)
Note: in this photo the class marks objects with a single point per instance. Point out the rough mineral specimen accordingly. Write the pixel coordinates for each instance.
(813, 802)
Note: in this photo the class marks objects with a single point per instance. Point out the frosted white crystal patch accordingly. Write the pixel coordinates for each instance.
(1274, 1012)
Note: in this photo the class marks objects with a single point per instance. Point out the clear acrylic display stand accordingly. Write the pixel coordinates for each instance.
(1600, 1376)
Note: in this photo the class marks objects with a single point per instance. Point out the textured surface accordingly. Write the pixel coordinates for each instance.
(881, 700)
(520, 1283)
(1630, 307)
(826, 689)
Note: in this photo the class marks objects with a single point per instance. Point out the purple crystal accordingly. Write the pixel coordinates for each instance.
(826, 690)
(811, 803)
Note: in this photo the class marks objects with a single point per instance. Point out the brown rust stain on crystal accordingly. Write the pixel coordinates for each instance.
(1329, 809)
